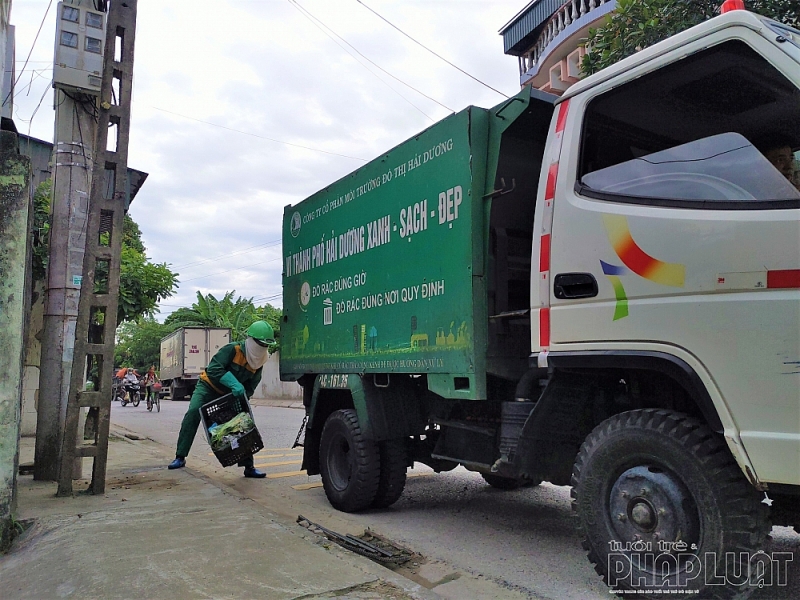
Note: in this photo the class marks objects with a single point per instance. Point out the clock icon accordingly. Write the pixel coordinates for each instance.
(305, 294)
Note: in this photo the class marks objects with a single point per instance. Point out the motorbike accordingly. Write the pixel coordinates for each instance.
(130, 392)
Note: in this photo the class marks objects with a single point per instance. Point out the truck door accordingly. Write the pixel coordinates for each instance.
(677, 229)
(217, 338)
(194, 347)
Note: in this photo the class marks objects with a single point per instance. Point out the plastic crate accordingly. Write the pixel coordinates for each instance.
(222, 410)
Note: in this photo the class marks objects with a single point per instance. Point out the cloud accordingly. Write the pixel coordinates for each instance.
(265, 70)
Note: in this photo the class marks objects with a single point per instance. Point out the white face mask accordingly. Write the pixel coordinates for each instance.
(256, 355)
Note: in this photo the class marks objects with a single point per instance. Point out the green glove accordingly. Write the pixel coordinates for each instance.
(237, 389)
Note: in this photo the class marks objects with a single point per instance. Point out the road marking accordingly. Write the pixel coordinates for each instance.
(286, 474)
(419, 474)
(279, 463)
(307, 486)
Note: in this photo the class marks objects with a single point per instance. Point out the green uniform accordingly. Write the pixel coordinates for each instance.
(230, 358)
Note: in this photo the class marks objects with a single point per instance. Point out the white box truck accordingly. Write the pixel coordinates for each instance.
(185, 353)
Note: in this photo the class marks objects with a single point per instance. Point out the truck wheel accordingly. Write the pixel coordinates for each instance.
(349, 464)
(177, 392)
(393, 473)
(659, 499)
(507, 483)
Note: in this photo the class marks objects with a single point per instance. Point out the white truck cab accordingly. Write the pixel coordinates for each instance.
(667, 242)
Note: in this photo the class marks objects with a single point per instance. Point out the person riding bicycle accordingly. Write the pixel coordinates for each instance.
(150, 379)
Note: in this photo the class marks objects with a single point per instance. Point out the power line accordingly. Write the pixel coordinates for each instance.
(234, 269)
(35, 74)
(269, 297)
(370, 60)
(429, 50)
(33, 45)
(298, 7)
(221, 256)
(258, 136)
(30, 121)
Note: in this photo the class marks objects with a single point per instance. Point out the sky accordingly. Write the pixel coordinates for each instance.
(241, 108)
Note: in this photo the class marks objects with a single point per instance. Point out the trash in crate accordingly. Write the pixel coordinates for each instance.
(227, 435)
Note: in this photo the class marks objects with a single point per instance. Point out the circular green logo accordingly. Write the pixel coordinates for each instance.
(295, 225)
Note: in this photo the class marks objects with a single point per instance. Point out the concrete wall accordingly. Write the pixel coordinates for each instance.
(15, 215)
(33, 355)
(271, 385)
(40, 154)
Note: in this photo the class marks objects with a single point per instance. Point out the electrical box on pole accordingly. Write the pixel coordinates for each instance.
(80, 43)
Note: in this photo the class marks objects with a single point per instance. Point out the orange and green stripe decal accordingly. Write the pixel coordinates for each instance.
(636, 259)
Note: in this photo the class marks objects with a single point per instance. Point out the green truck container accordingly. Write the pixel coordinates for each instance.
(385, 270)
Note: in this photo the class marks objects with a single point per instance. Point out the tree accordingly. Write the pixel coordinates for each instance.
(637, 24)
(207, 311)
(142, 284)
(41, 228)
(132, 235)
(139, 343)
(237, 314)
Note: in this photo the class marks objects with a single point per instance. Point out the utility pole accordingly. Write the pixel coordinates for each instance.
(77, 76)
(97, 309)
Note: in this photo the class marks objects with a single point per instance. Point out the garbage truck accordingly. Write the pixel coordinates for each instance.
(599, 290)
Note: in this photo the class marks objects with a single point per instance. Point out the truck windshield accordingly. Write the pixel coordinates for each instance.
(721, 125)
(716, 168)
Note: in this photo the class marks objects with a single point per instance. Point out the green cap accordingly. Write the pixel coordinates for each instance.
(261, 331)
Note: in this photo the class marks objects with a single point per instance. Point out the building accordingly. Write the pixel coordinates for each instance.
(547, 36)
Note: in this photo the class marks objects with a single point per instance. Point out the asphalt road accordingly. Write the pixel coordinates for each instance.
(510, 544)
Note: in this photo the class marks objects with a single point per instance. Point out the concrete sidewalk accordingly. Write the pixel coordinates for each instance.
(174, 534)
(277, 402)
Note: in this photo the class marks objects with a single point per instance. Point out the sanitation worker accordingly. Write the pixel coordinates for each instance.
(236, 369)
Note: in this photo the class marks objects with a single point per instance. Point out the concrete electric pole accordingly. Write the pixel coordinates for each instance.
(77, 78)
(97, 310)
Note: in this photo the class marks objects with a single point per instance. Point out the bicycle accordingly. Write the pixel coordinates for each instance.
(154, 397)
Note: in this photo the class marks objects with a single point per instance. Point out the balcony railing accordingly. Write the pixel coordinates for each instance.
(570, 13)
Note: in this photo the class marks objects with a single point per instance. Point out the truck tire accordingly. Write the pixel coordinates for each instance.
(393, 473)
(651, 476)
(349, 463)
(177, 392)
